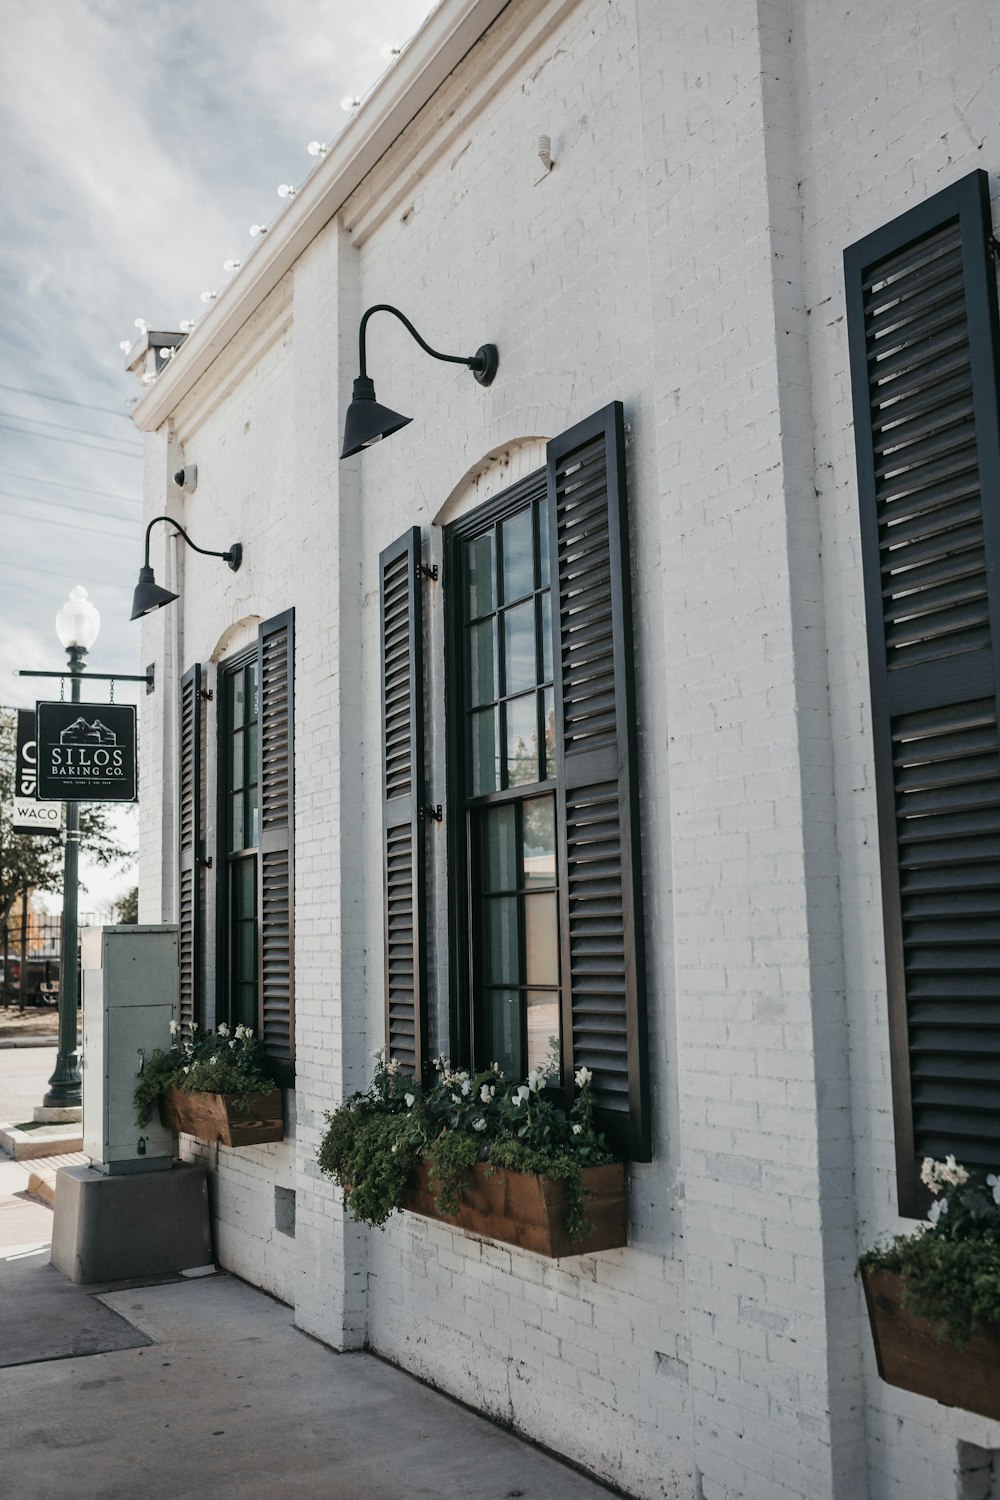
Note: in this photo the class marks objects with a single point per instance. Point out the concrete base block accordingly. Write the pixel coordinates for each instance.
(141, 1224)
(51, 1114)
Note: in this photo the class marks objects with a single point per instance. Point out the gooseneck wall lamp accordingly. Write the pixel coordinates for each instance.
(367, 422)
(148, 594)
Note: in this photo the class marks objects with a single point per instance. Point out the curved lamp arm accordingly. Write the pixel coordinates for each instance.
(483, 363)
(233, 556)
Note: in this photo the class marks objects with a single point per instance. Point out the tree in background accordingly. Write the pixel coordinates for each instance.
(127, 909)
(29, 862)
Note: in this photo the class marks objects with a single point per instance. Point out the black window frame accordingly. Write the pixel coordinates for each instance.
(225, 856)
(466, 1029)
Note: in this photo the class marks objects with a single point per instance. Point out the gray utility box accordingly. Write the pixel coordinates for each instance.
(130, 995)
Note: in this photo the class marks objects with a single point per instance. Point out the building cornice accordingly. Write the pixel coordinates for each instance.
(433, 54)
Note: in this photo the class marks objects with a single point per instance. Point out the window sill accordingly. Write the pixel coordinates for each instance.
(528, 1211)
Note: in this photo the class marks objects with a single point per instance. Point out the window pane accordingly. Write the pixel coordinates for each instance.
(540, 842)
(479, 557)
(252, 830)
(500, 913)
(236, 762)
(246, 888)
(245, 1006)
(482, 663)
(485, 752)
(519, 647)
(253, 706)
(543, 543)
(236, 821)
(500, 849)
(503, 1028)
(252, 741)
(522, 740)
(543, 1026)
(236, 694)
(541, 939)
(518, 556)
(549, 721)
(246, 950)
(546, 637)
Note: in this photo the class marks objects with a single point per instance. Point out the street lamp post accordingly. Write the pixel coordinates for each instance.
(77, 626)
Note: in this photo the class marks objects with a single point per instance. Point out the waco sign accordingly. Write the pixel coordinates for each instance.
(30, 815)
(87, 751)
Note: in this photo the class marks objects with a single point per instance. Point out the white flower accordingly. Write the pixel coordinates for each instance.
(994, 1182)
(486, 1093)
(214, 1059)
(953, 1174)
(521, 1094)
(392, 1068)
(583, 1077)
(223, 1029)
(479, 1124)
(243, 1032)
(937, 1209)
(410, 1100)
(378, 1054)
(232, 1043)
(578, 1130)
(456, 1098)
(174, 1028)
(187, 1070)
(536, 1080)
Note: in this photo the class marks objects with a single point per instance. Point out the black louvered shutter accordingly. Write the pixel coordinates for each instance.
(190, 804)
(604, 1018)
(924, 341)
(402, 802)
(275, 646)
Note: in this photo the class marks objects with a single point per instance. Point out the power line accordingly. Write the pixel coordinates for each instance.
(66, 525)
(82, 510)
(109, 411)
(78, 489)
(93, 447)
(14, 416)
(52, 573)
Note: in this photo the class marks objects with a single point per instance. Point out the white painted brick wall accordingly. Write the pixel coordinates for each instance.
(684, 257)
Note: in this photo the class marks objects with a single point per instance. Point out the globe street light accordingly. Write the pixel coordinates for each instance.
(78, 624)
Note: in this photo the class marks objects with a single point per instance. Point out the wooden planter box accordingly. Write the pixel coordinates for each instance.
(911, 1355)
(215, 1117)
(529, 1211)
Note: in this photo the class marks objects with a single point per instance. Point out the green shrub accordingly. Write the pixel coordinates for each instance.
(951, 1265)
(206, 1062)
(374, 1140)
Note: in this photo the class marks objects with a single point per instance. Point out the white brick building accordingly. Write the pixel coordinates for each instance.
(684, 257)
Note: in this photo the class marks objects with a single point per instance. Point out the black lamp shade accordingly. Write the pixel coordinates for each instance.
(366, 421)
(148, 595)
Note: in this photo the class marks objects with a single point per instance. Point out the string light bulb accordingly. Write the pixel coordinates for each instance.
(388, 51)
(231, 265)
(349, 103)
(209, 296)
(285, 190)
(125, 346)
(317, 148)
(256, 230)
(142, 325)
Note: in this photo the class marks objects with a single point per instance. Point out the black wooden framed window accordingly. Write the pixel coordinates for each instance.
(255, 949)
(504, 701)
(925, 353)
(545, 904)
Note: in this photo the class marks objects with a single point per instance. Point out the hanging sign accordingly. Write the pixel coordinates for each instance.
(87, 751)
(28, 814)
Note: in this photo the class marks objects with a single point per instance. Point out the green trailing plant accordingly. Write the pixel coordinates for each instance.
(950, 1267)
(374, 1140)
(205, 1062)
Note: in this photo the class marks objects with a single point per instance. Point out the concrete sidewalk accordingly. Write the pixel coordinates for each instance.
(223, 1397)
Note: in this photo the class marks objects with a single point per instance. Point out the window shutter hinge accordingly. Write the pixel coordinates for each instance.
(204, 860)
(428, 570)
(205, 694)
(993, 248)
(432, 814)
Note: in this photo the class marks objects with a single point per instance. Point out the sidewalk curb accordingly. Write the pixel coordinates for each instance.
(28, 1041)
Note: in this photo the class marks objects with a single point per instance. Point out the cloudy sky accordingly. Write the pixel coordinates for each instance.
(140, 140)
